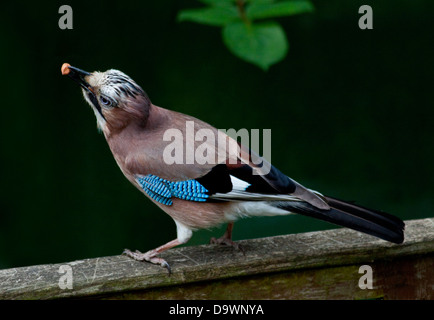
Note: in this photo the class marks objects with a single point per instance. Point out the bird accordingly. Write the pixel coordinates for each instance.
(204, 194)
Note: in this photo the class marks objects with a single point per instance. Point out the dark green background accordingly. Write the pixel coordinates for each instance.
(350, 110)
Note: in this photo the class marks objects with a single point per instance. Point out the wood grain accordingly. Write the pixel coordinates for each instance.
(314, 265)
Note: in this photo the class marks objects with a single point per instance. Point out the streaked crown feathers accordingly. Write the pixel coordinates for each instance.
(115, 85)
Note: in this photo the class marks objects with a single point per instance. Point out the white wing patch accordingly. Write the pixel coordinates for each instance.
(238, 184)
(239, 193)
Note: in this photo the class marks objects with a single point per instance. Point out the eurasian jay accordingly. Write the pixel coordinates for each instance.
(204, 194)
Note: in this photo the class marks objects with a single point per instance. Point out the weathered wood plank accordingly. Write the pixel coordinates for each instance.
(398, 282)
(309, 265)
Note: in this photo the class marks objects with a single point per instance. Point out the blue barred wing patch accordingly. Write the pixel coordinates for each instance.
(156, 188)
(189, 190)
(162, 190)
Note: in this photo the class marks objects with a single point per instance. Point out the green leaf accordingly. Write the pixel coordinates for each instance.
(278, 9)
(214, 16)
(262, 44)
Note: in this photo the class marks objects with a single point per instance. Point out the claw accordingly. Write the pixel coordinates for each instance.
(240, 248)
(149, 256)
(228, 242)
(152, 255)
(167, 266)
(126, 252)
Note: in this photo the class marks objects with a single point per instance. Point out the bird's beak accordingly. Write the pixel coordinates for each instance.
(78, 76)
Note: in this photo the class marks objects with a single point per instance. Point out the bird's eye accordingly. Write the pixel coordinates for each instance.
(105, 101)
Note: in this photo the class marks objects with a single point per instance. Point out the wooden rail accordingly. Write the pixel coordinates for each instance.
(314, 265)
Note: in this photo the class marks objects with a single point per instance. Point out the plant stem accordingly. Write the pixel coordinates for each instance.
(241, 9)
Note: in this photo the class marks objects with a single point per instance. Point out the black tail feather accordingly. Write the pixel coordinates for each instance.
(373, 222)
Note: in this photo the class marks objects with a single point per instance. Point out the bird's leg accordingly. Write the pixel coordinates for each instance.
(151, 255)
(184, 233)
(226, 239)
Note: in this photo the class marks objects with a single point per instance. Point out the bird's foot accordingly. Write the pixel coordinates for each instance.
(227, 242)
(149, 256)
